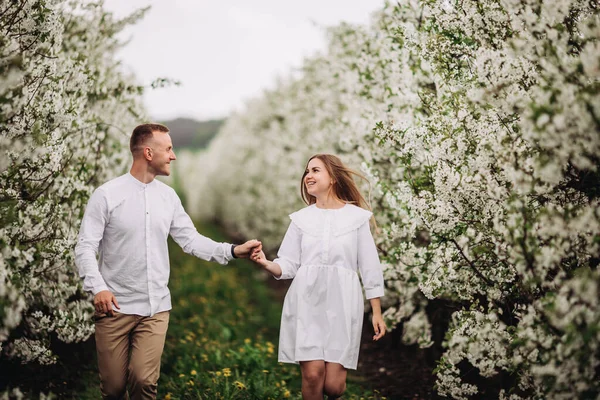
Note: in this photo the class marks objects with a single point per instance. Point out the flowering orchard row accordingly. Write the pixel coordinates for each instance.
(65, 114)
(478, 123)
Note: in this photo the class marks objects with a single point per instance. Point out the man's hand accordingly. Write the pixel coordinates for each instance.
(244, 250)
(103, 302)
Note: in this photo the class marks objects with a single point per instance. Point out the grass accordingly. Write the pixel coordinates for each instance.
(221, 343)
(220, 339)
(223, 334)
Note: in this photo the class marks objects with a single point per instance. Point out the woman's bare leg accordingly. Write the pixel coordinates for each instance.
(313, 379)
(335, 380)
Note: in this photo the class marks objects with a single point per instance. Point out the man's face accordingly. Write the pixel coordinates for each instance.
(162, 153)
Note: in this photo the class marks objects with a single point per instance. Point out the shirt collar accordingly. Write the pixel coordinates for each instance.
(138, 183)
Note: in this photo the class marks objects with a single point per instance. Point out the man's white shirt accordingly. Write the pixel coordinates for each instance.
(127, 223)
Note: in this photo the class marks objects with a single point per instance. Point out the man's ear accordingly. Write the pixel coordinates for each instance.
(148, 153)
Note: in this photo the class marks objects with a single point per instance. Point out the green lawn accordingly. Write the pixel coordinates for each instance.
(222, 338)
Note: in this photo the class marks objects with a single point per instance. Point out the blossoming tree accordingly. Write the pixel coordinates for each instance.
(479, 125)
(65, 114)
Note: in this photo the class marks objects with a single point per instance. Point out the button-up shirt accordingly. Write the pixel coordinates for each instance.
(127, 223)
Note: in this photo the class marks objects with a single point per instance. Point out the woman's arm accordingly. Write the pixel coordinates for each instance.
(271, 267)
(368, 263)
(372, 276)
(287, 262)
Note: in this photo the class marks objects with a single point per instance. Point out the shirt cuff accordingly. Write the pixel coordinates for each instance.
(228, 247)
(374, 292)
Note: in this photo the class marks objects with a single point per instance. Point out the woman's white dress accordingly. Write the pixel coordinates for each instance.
(322, 252)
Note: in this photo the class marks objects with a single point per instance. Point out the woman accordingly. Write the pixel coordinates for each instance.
(325, 244)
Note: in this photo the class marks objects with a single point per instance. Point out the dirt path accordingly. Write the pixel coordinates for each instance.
(396, 371)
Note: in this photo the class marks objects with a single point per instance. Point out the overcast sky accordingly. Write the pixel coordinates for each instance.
(225, 52)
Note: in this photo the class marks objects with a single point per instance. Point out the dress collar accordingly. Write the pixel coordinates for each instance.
(312, 220)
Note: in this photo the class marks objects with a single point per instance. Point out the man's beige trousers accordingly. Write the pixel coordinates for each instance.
(129, 349)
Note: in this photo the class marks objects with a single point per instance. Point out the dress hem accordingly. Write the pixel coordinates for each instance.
(315, 359)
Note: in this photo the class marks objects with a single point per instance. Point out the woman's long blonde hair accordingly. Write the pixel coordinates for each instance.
(344, 187)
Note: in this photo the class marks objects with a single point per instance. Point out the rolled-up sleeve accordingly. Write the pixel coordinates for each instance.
(94, 221)
(187, 237)
(368, 263)
(288, 256)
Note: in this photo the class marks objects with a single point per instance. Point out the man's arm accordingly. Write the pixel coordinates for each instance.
(187, 237)
(90, 234)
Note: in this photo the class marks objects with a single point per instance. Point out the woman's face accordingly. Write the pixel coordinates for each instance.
(317, 179)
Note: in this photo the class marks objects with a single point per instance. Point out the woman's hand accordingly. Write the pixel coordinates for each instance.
(378, 326)
(258, 256)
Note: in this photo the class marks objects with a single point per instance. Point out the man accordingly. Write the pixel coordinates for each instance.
(127, 221)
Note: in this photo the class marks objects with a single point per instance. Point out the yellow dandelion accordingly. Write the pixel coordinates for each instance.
(193, 372)
(247, 341)
(239, 385)
(218, 373)
(168, 396)
(277, 384)
(181, 375)
(286, 394)
(226, 372)
(190, 382)
(270, 350)
(265, 371)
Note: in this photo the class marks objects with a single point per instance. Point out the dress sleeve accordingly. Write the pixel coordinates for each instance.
(368, 263)
(288, 256)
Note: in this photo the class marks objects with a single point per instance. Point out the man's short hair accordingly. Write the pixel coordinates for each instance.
(142, 133)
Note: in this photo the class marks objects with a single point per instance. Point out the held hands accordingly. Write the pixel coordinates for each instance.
(103, 302)
(378, 327)
(244, 250)
(258, 256)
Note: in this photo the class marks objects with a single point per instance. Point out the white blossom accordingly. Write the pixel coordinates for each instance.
(477, 123)
(64, 109)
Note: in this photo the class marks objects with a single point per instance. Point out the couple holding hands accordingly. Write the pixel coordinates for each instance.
(127, 221)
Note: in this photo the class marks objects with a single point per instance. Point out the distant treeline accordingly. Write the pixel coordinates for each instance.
(190, 133)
